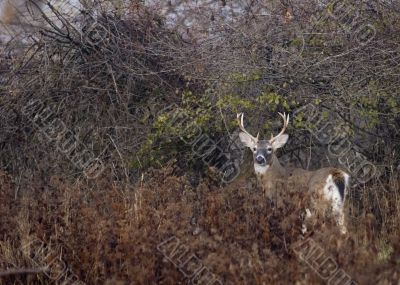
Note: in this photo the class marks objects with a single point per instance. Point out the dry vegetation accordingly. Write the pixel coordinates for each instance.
(111, 234)
(114, 77)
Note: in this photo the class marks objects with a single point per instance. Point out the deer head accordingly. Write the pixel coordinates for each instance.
(263, 150)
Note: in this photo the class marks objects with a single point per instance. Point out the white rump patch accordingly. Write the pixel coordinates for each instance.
(331, 193)
(260, 170)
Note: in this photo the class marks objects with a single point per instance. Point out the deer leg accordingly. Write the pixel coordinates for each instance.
(339, 215)
(307, 217)
(338, 212)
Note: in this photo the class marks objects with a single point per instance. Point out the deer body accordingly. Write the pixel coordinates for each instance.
(327, 186)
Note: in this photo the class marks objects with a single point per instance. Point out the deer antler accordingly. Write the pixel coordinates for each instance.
(285, 124)
(241, 126)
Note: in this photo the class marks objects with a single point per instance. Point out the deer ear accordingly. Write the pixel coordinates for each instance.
(280, 141)
(247, 140)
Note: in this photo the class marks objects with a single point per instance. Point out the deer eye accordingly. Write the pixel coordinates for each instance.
(254, 148)
(269, 149)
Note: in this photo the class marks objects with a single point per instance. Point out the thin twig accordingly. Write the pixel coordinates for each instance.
(22, 271)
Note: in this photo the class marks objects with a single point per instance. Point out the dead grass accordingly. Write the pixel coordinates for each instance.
(108, 233)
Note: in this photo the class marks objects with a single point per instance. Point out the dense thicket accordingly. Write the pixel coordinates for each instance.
(105, 98)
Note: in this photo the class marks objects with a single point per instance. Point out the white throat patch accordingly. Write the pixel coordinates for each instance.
(260, 170)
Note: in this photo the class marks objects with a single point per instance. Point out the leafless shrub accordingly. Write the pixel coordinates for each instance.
(105, 79)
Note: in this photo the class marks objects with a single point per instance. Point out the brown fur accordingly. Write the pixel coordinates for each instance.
(298, 179)
(276, 174)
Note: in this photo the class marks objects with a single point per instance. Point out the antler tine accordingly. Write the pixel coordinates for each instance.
(285, 125)
(241, 126)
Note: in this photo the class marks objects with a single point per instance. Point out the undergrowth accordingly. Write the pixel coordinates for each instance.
(115, 233)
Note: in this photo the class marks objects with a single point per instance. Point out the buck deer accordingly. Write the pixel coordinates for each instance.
(329, 184)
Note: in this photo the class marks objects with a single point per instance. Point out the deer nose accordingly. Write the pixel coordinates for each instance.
(260, 159)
